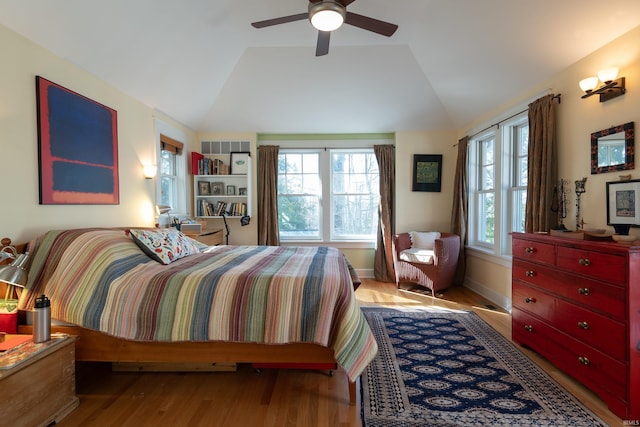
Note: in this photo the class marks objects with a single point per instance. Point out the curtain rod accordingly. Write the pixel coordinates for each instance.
(558, 97)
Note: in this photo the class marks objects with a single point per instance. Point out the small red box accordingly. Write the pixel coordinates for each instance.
(9, 322)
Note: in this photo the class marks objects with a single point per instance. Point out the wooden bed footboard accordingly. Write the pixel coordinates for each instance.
(93, 346)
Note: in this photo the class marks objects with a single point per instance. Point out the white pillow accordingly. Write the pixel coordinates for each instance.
(424, 240)
(421, 256)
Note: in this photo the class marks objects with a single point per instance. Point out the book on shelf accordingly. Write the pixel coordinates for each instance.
(201, 165)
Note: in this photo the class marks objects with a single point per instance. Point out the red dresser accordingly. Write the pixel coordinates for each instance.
(577, 303)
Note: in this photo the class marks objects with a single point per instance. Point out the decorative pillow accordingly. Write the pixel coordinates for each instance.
(424, 240)
(164, 245)
(420, 256)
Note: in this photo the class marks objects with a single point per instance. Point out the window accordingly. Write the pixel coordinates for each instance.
(328, 195)
(498, 184)
(171, 174)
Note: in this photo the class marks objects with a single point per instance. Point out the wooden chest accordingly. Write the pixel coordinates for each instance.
(38, 382)
(577, 303)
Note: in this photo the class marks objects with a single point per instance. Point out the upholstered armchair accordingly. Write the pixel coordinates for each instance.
(428, 259)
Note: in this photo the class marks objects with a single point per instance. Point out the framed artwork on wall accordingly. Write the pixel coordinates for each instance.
(427, 172)
(77, 148)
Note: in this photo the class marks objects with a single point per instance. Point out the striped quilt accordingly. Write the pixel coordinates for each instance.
(101, 280)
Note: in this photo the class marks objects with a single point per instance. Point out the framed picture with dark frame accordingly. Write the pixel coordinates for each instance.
(623, 205)
(203, 188)
(217, 188)
(427, 172)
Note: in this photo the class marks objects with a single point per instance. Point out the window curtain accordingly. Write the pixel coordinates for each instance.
(542, 166)
(268, 233)
(459, 210)
(170, 144)
(383, 261)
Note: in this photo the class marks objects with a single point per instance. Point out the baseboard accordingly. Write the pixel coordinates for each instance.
(365, 273)
(493, 296)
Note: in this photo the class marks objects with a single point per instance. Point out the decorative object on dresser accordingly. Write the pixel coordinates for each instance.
(580, 190)
(577, 303)
(623, 205)
(428, 259)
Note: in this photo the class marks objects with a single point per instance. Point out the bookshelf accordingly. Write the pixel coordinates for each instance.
(218, 189)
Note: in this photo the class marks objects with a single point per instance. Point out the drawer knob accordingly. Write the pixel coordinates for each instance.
(528, 328)
(585, 361)
(584, 291)
(529, 300)
(584, 261)
(530, 273)
(583, 325)
(529, 250)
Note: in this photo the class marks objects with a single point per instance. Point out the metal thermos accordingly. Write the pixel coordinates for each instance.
(42, 320)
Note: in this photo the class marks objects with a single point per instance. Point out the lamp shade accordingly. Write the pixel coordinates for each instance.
(588, 84)
(608, 74)
(14, 274)
(326, 15)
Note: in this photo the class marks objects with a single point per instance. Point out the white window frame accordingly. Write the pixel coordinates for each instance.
(326, 144)
(505, 156)
(180, 209)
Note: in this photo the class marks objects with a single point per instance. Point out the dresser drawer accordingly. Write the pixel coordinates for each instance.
(584, 325)
(534, 251)
(603, 297)
(609, 267)
(601, 373)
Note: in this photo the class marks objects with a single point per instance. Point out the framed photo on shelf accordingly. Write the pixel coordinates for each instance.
(217, 188)
(242, 191)
(203, 188)
(231, 190)
(427, 172)
(239, 163)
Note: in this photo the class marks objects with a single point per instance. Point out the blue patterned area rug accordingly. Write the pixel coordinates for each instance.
(438, 367)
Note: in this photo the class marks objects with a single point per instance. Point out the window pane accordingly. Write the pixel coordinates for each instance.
(168, 179)
(299, 216)
(486, 221)
(518, 210)
(355, 195)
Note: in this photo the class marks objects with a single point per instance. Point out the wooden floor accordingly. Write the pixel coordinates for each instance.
(268, 398)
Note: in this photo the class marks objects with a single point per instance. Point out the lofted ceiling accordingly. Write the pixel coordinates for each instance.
(203, 64)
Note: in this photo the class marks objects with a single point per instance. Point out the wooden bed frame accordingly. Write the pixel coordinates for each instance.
(94, 346)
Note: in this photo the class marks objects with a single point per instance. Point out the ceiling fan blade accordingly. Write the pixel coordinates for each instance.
(371, 24)
(281, 20)
(345, 3)
(322, 48)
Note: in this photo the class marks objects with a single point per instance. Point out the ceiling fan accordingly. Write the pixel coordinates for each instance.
(329, 15)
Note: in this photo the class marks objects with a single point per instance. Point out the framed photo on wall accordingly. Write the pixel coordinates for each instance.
(427, 172)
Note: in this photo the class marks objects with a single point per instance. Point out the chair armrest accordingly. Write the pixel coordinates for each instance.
(447, 250)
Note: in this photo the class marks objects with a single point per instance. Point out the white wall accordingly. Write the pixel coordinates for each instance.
(23, 218)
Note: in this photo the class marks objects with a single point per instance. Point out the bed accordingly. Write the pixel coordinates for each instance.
(242, 304)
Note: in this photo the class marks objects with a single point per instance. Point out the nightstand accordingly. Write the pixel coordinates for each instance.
(208, 237)
(38, 382)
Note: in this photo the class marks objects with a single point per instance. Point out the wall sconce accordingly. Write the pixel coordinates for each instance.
(149, 171)
(611, 88)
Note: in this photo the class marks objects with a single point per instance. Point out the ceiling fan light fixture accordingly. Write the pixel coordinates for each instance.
(327, 15)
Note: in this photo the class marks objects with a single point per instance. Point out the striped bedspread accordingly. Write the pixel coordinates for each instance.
(99, 279)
